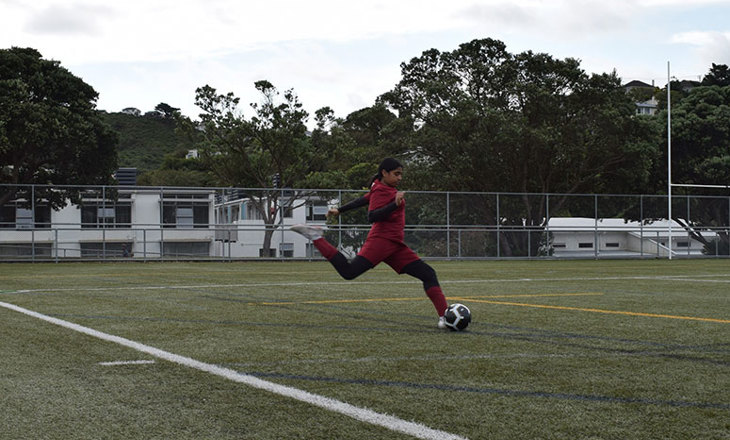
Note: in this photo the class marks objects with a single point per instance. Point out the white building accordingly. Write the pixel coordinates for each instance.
(153, 223)
(139, 223)
(240, 228)
(588, 237)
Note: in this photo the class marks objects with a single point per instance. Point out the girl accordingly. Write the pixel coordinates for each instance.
(384, 243)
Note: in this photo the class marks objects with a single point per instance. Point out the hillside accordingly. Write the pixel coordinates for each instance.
(144, 140)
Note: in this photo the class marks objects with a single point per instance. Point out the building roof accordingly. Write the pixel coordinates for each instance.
(637, 83)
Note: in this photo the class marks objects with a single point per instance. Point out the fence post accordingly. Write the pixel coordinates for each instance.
(641, 224)
(499, 234)
(162, 224)
(547, 224)
(103, 221)
(595, 228)
(448, 224)
(689, 220)
(281, 223)
(339, 220)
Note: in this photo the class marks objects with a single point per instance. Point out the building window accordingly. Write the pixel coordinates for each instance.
(11, 250)
(105, 250)
(585, 245)
(108, 216)
(252, 212)
(559, 245)
(185, 215)
(7, 216)
(683, 244)
(186, 249)
(286, 249)
(612, 245)
(18, 217)
(24, 218)
(316, 213)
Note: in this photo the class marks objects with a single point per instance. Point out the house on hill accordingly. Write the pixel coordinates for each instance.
(646, 107)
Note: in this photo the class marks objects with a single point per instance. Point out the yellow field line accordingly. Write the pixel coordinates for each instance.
(529, 295)
(419, 298)
(610, 312)
(334, 301)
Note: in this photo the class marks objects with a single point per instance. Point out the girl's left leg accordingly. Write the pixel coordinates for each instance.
(348, 270)
(427, 275)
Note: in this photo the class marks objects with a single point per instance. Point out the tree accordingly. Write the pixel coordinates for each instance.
(354, 146)
(719, 75)
(700, 155)
(166, 111)
(133, 111)
(483, 119)
(248, 153)
(177, 170)
(143, 142)
(50, 130)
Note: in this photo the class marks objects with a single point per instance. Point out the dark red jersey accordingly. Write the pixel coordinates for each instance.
(392, 227)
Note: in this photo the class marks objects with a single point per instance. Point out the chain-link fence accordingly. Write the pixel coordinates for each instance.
(66, 223)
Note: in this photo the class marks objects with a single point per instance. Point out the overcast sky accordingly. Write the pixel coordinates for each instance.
(344, 53)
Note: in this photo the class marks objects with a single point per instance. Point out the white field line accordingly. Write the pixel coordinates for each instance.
(363, 414)
(694, 279)
(116, 363)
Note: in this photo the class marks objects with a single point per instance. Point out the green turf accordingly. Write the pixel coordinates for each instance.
(557, 350)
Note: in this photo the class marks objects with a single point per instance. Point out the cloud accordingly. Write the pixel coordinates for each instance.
(502, 14)
(668, 3)
(76, 19)
(701, 38)
(553, 20)
(709, 47)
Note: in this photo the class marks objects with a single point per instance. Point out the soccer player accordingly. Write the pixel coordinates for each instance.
(384, 243)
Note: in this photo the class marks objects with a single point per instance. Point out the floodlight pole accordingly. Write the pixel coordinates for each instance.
(669, 157)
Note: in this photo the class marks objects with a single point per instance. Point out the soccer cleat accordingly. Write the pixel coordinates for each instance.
(442, 322)
(311, 232)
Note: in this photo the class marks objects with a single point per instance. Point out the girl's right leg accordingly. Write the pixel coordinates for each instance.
(427, 275)
(347, 269)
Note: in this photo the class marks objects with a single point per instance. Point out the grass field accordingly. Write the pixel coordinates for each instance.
(557, 350)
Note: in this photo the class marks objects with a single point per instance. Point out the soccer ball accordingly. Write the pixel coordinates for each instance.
(457, 317)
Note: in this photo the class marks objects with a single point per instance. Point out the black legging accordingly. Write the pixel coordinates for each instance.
(350, 270)
(423, 272)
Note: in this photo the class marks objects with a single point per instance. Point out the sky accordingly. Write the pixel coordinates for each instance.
(345, 53)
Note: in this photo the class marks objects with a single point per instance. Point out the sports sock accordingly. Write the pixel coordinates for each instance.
(436, 295)
(325, 248)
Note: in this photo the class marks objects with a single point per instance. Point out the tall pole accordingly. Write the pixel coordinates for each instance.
(669, 157)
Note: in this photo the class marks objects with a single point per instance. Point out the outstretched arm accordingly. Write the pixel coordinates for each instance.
(357, 203)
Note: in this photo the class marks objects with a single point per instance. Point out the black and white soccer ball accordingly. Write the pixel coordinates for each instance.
(457, 317)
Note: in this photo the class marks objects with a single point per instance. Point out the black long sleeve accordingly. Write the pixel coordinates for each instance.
(380, 214)
(357, 203)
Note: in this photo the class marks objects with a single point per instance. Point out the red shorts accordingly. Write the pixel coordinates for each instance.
(395, 254)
